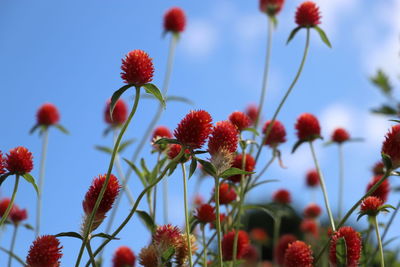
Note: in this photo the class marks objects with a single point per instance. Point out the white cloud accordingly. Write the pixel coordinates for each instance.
(375, 128)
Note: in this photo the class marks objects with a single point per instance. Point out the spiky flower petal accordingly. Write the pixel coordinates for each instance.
(19, 161)
(298, 254)
(371, 205)
(205, 213)
(224, 135)
(240, 120)
(353, 245)
(137, 68)
(45, 251)
(308, 15)
(167, 236)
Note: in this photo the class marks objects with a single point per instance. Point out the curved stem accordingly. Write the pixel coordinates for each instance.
(378, 237)
(341, 182)
(204, 245)
(187, 225)
(14, 237)
(218, 221)
(45, 142)
(90, 252)
(110, 167)
(10, 205)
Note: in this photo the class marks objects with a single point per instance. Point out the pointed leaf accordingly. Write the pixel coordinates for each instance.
(341, 252)
(263, 182)
(137, 171)
(146, 218)
(254, 131)
(70, 234)
(381, 80)
(208, 167)
(385, 110)
(387, 161)
(107, 130)
(104, 149)
(179, 99)
(116, 95)
(193, 166)
(106, 236)
(3, 177)
(33, 129)
(234, 171)
(28, 226)
(153, 90)
(29, 178)
(61, 128)
(269, 212)
(323, 36)
(292, 34)
(166, 141)
(125, 144)
(296, 145)
(398, 121)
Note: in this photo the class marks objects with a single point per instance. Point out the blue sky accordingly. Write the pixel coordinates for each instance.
(69, 53)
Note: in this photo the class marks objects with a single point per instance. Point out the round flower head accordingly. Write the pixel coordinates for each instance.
(391, 145)
(148, 256)
(18, 215)
(4, 205)
(382, 191)
(251, 255)
(120, 113)
(167, 236)
(19, 161)
(205, 213)
(282, 196)
(312, 178)
(227, 194)
(312, 211)
(240, 120)
(228, 241)
(175, 149)
(277, 134)
(174, 20)
(45, 251)
(161, 132)
(237, 163)
(308, 15)
(353, 245)
(298, 254)
(224, 135)
(371, 205)
(340, 135)
(124, 257)
(259, 235)
(47, 115)
(194, 129)
(182, 252)
(307, 127)
(252, 112)
(198, 200)
(309, 226)
(271, 7)
(280, 249)
(137, 68)
(379, 168)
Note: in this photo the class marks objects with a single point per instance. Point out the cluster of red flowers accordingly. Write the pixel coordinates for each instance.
(16, 215)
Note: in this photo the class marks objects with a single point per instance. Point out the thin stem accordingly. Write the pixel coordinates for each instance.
(90, 252)
(261, 173)
(341, 181)
(14, 256)
(189, 243)
(45, 142)
(204, 245)
(14, 237)
(155, 190)
(10, 205)
(323, 187)
(110, 167)
(365, 242)
(378, 237)
(277, 227)
(218, 221)
(165, 200)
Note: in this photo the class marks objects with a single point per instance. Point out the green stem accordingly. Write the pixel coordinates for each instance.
(204, 245)
(10, 205)
(277, 227)
(14, 237)
(165, 201)
(87, 231)
(218, 221)
(189, 243)
(14, 256)
(155, 190)
(378, 237)
(341, 182)
(90, 252)
(45, 142)
(365, 242)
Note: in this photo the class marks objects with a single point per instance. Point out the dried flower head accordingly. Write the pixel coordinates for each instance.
(340, 135)
(271, 7)
(308, 15)
(137, 68)
(282, 196)
(280, 249)
(228, 241)
(312, 178)
(47, 115)
(205, 213)
(227, 194)
(182, 251)
(167, 236)
(224, 135)
(237, 163)
(353, 245)
(307, 127)
(298, 254)
(45, 251)
(175, 20)
(240, 120)
(312, 211)
(382, 191)
(148, 256)
(391, 145)
(277, 134)
(19, 161)
(124, 257)
(119, 115)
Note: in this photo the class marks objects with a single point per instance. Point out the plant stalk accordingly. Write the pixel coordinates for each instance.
(14, 237)
(378, 237)
(10, 205)
(187, 225)
(42, 172)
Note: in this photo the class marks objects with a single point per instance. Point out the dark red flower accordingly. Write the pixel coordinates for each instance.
(137, 68)
(174, 20)
(227, 245)
(194, 129)
(174, 151)
(19, 161)
(282, 196)
(17, 215)
(371, 204)
(205, 213)
(277, 134)
(124, 257)
(280, 249)
(224, 135)
(240, 120)
(120, 113)
(307, 127)
(227, 194)
(237, 163)
(259, 235)
(161, 132)
(309, 226)
(298, 254)
(391, 145)
(382, 191)
(340, 135)
(353, 245)
(45, 251)
(312, 178)
(250, 255)
(252, 112)
(312, 211)
(379, 168)
(167, 235)
(47, 115)
(4, 205)
(271, 7)
(308, 15)
(2, 163)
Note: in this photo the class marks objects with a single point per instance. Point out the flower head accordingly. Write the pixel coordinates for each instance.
(119, 115)
(382, 191)
(282, 196)
(259, 235)
(137, 68)
(19, 161)
(148, 256)
(309, 226)
(45, 251)
(4, 203)
(228, 241)
(175, 149)
(174, 20)
(312, 211)
(297, 254)
(312, 178)
(252, 112)
(124, 257)
(340, 135)
(240, 120)
(251, 255)
(227, 194)
(280, 249)
(353, 245)
(379, 168)
(371, 205)
(307, 127)
(167, 236)
(391, 145)
(271, 7)
(161, 132)
(308, 15)
(237, 163)
(18, 215)
(182, 251)
(222, 159)
(47, 115)
(277, 134)
(224, 136)
(2, 163)
(205, 213)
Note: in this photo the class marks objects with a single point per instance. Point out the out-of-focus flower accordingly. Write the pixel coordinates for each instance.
(137, 68)
(18, 215)
(282, 196)
(237, 163)
(309, 226)
(271, 7)
(308, 15)
(252, 112)
(382, 191)
(312, 178)
(277, 134)
(340, 135)
(205, 213)
(175, 149)
(124, 257)
(391, 145)
(119, 115)
(227, 194)
(259, 235)
(175, 20)
(280, 249)
(379, 168)
(47, 115)
(240, 120)
(228, 241)
(298, 254)
(312, 211)
(307, 127)
(4, 205)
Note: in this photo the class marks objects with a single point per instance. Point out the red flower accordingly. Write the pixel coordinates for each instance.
(371, 204)
(224, 136)
(237, 163)
(309, 226)
(382, 191)
(240, 120)
(340, 135)
(277, 134)
(297, 254)
(137, 68)
(124, 257)
(17, 215)
(174, 20)
(198, 200)
(307, 127)
(312, 211)
(227, 194)
(120, 113)
(312, 178)
(252, 112)
(4, 205)
(161, 132)
(379, 168)
(222, 218)
(194, 129)
(47, 115)
(227, 245)
(174, 151)
(353, 245)
(282, 196)
(205, 213)
(391, 145)
(19, 161)
(258, 235)
(45, 251)
(280, 249)
(167, 235)
(308, 15)
(2, 163)
(251, 255)
(271, 7)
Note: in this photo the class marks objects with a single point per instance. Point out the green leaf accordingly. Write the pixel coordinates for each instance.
(398, 121)
(137, 171)
(62, 128)
(166, 141)
(254, 131)
(297, 144)
(387, 161)
(104, 149)
(323, 36)
(269, 212)
(172, 168)
(208, 167)
(193, 166)
(179, 99)
(3, 177)
(341, 252)
(293, 33)
(29, 178)
(263, 182)
(28, 226)
(274, 21)
(381, 80)
(33, 129)
(70, 234)
(107, 130)
(125, 144)
(106, 236)
(385, 110)
(146, 218)
(153, 90)
(167, 255)
(234, 171)
(116, 95)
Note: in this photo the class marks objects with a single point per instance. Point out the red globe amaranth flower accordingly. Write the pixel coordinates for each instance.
(175, 149)
(2, 163)
(382, 191)
(280, 249)
(370, 205)
(379, 168)
(175, 20)
(307, 127)
(312, 211)
(251, 255)
(277, 134)
(120, 113)
(124, 257)
(222, 218)
(47, 115)
(259, 235)
(45, 251)
(224, 135)
(19, 161)
(271, 7)
(308, 15)
(205, 213)
(227, 245)
(137, 68)
(298, 254)
(227, 194)
(240, 120)
(282, 196)
(18, 215)
(167, 236)
(237, 163)
(4, 205)
(340, 135)
(353, 245)
(391, 145)
(309, 226)
(252, 112)
(312, 178)
(194, 129)
(161, 132)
